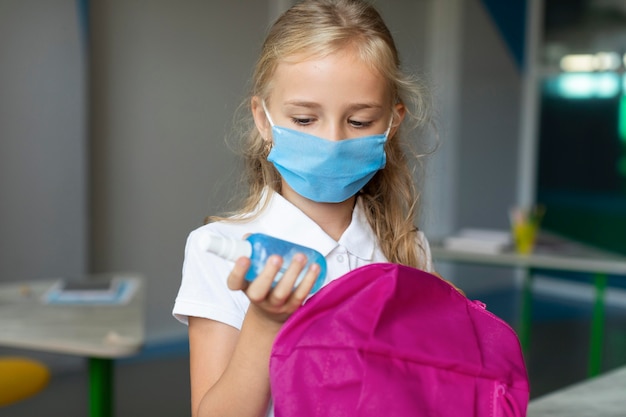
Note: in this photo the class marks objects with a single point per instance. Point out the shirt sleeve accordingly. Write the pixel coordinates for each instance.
(204, 291)
(424, 248)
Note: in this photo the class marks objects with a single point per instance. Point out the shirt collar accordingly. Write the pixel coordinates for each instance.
(286, 221)
(359, 238)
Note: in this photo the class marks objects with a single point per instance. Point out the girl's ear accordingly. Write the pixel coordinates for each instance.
(260, 118)
(398, 116)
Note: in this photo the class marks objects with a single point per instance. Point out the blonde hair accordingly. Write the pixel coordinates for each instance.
(316, 29)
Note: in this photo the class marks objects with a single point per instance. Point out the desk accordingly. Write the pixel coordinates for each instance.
(98, 332)
(552, 253)
(602, 396)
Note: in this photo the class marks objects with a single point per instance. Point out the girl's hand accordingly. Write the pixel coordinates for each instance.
(278, 303)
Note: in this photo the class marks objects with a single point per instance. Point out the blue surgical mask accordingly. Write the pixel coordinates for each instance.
(323, 170)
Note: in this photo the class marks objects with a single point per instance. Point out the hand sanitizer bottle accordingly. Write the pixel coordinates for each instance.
(259, 247)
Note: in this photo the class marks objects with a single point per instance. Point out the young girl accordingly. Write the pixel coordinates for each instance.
(326, 168)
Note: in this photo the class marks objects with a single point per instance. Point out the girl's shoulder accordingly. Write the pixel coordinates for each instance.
(237, 228)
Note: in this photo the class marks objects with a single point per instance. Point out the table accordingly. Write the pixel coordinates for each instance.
(99, 332)
(552, 253)
(602, 396)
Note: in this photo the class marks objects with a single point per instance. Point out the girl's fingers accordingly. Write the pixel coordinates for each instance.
(291, 298)
(284, 288)
(259, 289)
(301, 292)
(279, 301)
(236, 279)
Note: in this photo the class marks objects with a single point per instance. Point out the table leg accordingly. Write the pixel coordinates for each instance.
(100, 387)
(526, 311)
(597, 326)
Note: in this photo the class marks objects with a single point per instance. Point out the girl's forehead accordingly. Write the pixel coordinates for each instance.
(339, 73)
(349, 52)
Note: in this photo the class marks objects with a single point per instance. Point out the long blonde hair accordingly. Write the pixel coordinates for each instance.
(319, 28)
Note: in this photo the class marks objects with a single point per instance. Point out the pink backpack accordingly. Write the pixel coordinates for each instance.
(389, 340)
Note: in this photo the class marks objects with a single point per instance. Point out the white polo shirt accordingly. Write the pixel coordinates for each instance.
(204, 291)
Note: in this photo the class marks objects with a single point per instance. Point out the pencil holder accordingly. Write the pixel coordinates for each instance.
(525, 227)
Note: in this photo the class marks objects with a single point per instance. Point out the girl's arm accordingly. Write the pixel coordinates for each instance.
(216, 347)
(230, 368)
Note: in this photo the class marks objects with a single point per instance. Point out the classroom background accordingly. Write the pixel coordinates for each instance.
(113, 125)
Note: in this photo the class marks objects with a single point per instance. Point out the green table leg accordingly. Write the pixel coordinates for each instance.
(526, 312)
(100, 387)
(597, 326)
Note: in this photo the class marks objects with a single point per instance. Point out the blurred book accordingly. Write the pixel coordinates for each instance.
(479, 240)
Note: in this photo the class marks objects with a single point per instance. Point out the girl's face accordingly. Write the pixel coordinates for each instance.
(335, 97)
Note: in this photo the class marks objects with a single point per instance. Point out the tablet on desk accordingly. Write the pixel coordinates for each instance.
(114, 290)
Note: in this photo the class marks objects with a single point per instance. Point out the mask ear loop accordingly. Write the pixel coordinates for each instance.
(267, 113)
(388, 127)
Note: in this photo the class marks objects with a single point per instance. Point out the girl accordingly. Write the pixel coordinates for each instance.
(326, 168)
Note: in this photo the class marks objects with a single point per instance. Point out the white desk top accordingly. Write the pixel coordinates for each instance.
(106, 331)
(552, 252)
(602, 396)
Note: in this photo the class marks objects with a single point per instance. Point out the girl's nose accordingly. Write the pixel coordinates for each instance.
(335, 132)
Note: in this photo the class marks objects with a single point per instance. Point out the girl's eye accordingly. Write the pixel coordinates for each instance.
(301, 121)
(359, 125)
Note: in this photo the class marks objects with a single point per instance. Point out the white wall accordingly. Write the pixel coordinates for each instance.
(43, 205)
(166, 78)
(490, 100)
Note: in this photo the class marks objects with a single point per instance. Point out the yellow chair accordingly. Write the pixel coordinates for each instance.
(21, 378)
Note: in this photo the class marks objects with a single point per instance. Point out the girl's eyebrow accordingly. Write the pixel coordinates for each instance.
(370, 105)
(301, 103)
(314, 105)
